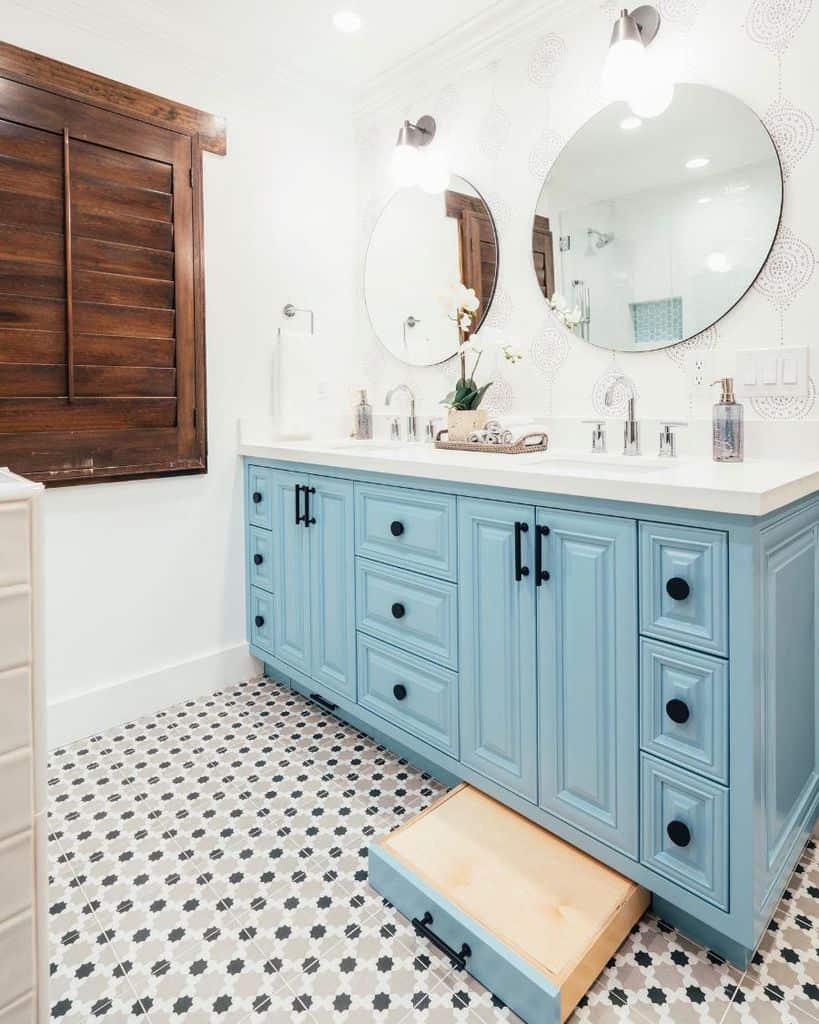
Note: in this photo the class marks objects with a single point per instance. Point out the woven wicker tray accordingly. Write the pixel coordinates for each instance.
(538, 442)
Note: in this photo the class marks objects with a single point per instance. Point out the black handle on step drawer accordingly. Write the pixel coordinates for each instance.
(317, 698)
(520, 570)
(423, 927)
(677, 588)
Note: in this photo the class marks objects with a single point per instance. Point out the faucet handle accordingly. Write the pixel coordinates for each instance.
(395, 429)
(598, 443)
(668, 439)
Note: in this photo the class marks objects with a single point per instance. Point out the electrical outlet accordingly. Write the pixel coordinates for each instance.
(699, 368)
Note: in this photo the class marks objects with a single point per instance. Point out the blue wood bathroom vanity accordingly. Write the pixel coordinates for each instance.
(637, 676)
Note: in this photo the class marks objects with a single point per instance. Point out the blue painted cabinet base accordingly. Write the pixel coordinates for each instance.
(720, 710)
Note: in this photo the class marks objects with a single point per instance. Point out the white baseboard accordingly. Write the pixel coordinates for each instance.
(84, 714)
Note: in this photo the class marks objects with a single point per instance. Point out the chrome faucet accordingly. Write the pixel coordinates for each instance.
(631, 431)
(412, 428)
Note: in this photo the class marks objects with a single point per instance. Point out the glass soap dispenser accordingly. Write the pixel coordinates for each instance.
(363, 423)
(729, 425)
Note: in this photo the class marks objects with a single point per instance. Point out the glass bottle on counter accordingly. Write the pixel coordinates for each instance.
(729, 425)
(363, 419)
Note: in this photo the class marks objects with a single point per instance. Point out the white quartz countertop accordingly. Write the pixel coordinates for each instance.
(14, 487)
(751, 488)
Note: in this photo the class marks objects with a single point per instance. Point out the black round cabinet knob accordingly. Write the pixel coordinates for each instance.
(257, 497)
(259, 620)
(678, 833)
(678, 711)
(399, 691)
(257, 559)
(398, 610)
(396, 528)
(677, 589)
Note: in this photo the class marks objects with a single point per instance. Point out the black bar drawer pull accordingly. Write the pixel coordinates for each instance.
(520, 570)
(308, 519)
(317, 698)
(541, 576)
(423, 927)
(677, 589)
(298, 509)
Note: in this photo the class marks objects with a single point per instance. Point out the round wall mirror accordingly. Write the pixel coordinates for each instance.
(649, 231)
(421, 246)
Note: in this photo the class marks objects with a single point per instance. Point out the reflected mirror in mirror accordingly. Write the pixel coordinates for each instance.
(420, 248)
(653, 229)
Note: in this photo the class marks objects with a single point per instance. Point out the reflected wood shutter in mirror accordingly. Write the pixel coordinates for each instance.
(478, 247)
(98, 361)
(543, 255)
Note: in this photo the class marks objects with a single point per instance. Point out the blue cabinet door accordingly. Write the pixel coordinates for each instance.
(587, 668)
(291, 559)
(332, 584)
(497, 643)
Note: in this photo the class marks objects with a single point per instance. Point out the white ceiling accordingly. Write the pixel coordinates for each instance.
(298, 34)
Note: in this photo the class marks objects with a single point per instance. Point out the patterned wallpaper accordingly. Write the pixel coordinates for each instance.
(503, 125)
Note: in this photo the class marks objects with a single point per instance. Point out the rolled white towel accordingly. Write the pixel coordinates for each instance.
(520, 430)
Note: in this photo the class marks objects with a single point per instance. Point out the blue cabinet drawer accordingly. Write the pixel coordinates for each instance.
(684, 708)
(259, 496)
(261, 619)
(409, 692)
(411, 529)
(260, 552)
(685, 829)
(411, 611)
(684, 586)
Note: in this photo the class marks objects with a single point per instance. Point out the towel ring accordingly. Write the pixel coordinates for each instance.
(290, 311)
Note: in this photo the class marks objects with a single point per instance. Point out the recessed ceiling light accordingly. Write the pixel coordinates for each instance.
(703, 200)
(718, 263)
(347, 21)
(696, 162)
(631, 124)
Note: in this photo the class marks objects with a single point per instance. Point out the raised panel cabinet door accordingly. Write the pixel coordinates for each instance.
(497, 643)
(588, 674)
(332, 584)
(291, 559)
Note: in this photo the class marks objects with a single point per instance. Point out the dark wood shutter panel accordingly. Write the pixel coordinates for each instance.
(543, 255)
(98, 329)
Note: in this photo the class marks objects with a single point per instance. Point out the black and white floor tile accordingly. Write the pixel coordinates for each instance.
(209, 864)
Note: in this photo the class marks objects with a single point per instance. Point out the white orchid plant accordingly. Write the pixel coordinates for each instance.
(467, 395)
(570, 317)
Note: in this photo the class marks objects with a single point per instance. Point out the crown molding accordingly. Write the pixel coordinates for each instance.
(468, 46)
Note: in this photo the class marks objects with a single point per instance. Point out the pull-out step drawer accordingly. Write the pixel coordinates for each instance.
(528, 915)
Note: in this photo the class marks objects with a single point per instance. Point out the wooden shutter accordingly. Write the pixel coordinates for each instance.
(543, 255)
(101, 346)
(478, 247)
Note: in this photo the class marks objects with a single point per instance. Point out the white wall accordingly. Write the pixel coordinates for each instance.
(142, 576)
(506, 105)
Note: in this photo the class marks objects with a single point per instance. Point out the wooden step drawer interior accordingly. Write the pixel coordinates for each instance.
(540, 918)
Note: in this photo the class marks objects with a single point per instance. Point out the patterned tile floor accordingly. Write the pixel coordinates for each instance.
(208, 864)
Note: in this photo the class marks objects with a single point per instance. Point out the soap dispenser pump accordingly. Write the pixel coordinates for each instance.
(729, 425)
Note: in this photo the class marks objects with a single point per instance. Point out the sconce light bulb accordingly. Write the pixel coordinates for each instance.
(405, 165)
(433, 176)
(653, 92)
(623, 69)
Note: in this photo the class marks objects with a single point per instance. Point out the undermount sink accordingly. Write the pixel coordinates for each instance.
(627, 465)
(377, 447)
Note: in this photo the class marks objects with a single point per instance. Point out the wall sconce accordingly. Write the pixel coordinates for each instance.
(629, 72)
(414, 163)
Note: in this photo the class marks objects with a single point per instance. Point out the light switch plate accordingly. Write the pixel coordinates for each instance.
(778, 372)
